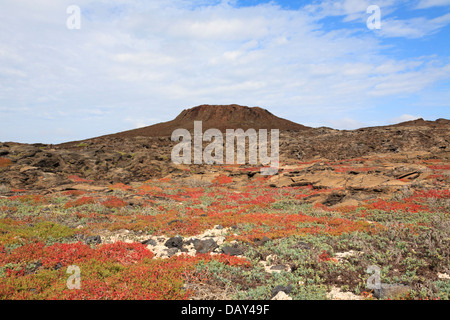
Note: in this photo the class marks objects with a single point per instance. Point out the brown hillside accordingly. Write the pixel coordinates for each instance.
(424, 123)
(220, 117)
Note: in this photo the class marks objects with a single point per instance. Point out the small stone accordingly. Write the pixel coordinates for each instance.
(234, 250)
(93, 240)
(174, 221)
(150, 242)
(261, 242)
(174, 242)
(286, 289)
(171, 252)
(281, 295)
(443, 276)
(205, 246)
(303, 245)
(279, 267)
(390, 290)
(337, 294)
(193, 241)
(27, 168)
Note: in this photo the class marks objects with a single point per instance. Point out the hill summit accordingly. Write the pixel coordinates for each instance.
(220, 117)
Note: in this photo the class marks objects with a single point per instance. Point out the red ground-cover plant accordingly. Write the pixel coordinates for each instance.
(439, 194)
(395, 206)
(432, 161)
(149, 189)
(5, 162)
(114, 202)
(324, 256)
(439, 167)
(79, 202)
(124, 253)
(74, 193)
(222, 179)
(111, 271)
(308, 162)
(23, 254)
(30, 198)
(66, 254)
(120, 186)
(8, 208)
(73, 253)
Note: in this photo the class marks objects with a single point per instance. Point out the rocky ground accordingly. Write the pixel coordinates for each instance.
(342, 201)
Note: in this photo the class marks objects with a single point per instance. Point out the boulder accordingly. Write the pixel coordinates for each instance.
(234, 250)
(205, 246)
(286, 289)
(174, 242)
(390, 290)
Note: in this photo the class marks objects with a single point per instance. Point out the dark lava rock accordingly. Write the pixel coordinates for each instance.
(286, 289)
(93, 240)
(58, 266)
(205, 246)
(34, 267)
(172, 251)
(192, 241)
(262, 241)
(302, 245)
(174, 242)
(234, 250)
(390, 290)
(278, 267)
(149, 242)
(333, 199)
(46, 160)
(174, 221)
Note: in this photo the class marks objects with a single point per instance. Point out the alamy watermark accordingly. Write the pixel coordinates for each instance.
(374, 281)
(74, 281)
(214, 152)
(73, 22)
(374, 21)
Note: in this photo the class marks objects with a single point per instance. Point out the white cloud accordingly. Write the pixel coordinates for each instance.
(413, 28)
(423, 4)
(350, 9)
(410, 81)
(133, 62)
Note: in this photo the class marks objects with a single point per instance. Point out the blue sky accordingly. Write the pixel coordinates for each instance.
(135, 63)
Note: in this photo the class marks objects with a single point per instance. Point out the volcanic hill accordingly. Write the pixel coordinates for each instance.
(145, 153)
(220, 117)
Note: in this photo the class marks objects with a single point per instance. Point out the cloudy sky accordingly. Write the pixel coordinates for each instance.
(138, 62)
